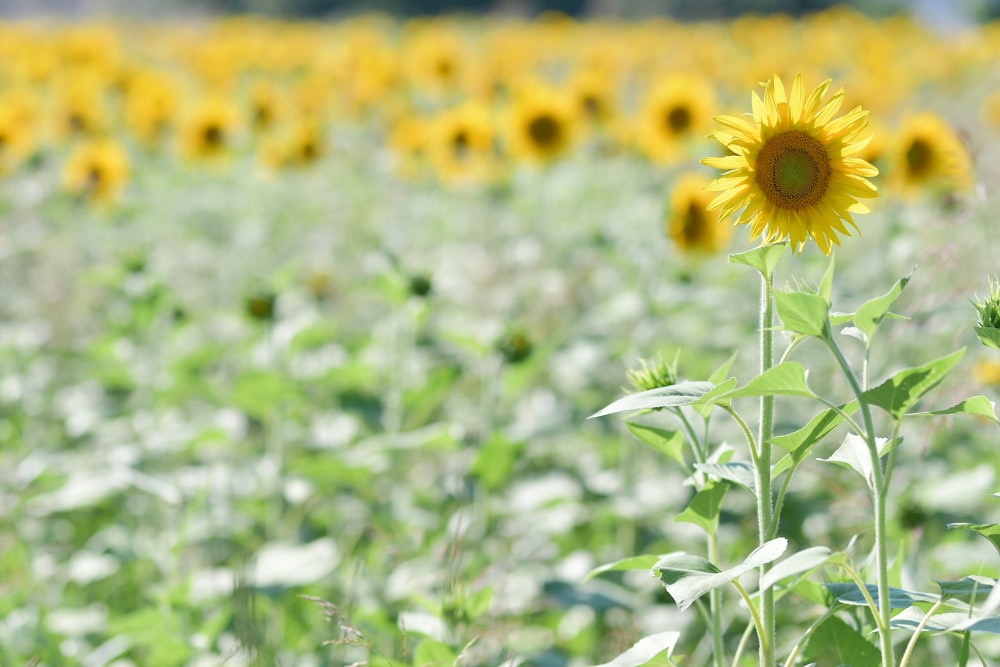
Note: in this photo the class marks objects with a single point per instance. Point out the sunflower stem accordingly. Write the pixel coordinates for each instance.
(879, 488)
(765, 508)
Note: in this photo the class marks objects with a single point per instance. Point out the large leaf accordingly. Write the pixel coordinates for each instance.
(802, 312)
(704, 405)
(785, 379)
(763, 258)
(989, 336)
(797, 563)
(967, 588)
(978, 406)
(433, 653)
(900, 392)
(835, 642)
(847, 592)
(703, 510)
(673, 396)
(688, 577)
(666, 442)
(991, 531)
(871, 313)
(644, 562)
(911, 618)
(652, 651)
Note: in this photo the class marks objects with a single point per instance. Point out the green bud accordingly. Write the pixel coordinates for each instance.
(653, 375)
(988, 329)
(515, 347)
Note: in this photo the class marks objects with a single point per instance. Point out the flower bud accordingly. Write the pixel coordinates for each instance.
(653, 375)
(988, 329)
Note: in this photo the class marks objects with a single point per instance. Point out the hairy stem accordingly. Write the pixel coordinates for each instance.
(765, 508)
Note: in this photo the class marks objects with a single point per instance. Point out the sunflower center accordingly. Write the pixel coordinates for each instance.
(460, 144)
(793, 170)
(212, 136)
(694, 227)
(678, 120)
(919, 156)
(545, 131)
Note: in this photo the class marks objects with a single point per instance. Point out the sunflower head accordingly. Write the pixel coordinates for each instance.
(543, 125)
(461, 144)
(929, 156)
(673, 113)
(793, 171)
(690, 225)
(208, 130)
(96, 171)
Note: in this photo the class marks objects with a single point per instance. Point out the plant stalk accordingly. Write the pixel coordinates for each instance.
(765, 508)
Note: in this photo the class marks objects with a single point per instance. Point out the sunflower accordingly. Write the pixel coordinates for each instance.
(208, 130)
(689, 223)
(96, 170)
(542, 124)
(150, 108)
(793, 169)
(17, 140)
(986, 372)
(927, 154)
(672, 114)
(461, 147)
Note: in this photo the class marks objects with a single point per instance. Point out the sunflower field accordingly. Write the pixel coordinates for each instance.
(304, 323)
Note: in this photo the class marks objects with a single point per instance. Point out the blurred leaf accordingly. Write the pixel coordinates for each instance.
(644, 562)
(670, 443)
(285, 564)
(432, 653)
(980, 406)
(596, 594)
(495, 460)
(763, 258)
(834, 642)
(898, 394)
(967, 588)
(703, 510)
(478, 603)
(872, 312)
(652, 651)
(802, 312)
(991, 531)
(826, 283)
(688, 577)
(911, 618)
(261, 393)
(797, 563)
(684, 393)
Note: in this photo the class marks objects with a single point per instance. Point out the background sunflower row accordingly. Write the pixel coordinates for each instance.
(464, 100)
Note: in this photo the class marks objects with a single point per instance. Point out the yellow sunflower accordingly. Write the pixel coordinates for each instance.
(543, 124)
(689, 223)
(208, 130)
(986, 372)
(96, 170)
(17, 140)
(461, 146)
(794, 169)
(928, 155)
(673, 113)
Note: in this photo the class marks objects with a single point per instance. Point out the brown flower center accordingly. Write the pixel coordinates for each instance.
(793, 170)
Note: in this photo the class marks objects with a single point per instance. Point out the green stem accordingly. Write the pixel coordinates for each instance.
(757, 623)
(916, 633)
(765, 508)
(878, 489)
(715, 605)
(738, 656)
(790, 662)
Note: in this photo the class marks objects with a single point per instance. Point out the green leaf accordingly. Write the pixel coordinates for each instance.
(763, 258)
(495, 460)
(652, 651)
(644, 562)
(854, 454)
(817, 428)
(737, 472)
(991, 531)
(900, 392)
(911, 618)
(432, 653)
(797, 563)
(989, 336)
(688, 577)
(703, 510)
(666, 442)
(676, 395)
(478, 603)
(980, 406)
(826, 284)
(847, 592)
(968, 588)
(720, 373)
(834, 642)
(704, 405)
(871, 313)
(786, 379)
(802, 312)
